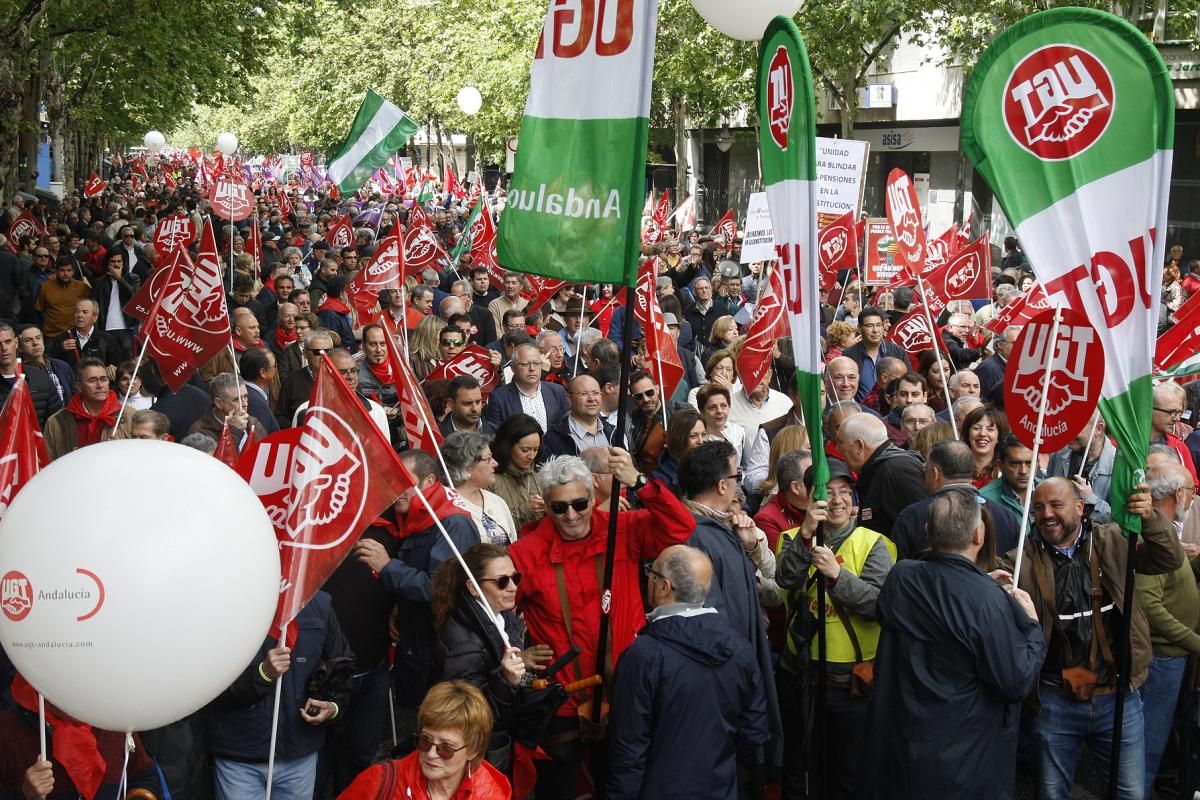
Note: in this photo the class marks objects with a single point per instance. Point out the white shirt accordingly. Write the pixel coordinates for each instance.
(534, 406)
(114, 320)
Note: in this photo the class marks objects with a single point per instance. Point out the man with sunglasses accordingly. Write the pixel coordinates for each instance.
(709, 478)
(561, 560)
(299, 384)
(647, 431)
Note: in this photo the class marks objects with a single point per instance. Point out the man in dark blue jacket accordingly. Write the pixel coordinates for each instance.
(687, 692)
(956, 656)
(316, 680)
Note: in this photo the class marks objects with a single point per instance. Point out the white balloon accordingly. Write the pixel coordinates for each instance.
(469, 100)
(227, 143)
(154, 141)
(132, 604)
(747, 19)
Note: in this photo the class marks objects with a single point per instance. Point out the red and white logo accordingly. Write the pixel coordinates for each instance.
(194, 298)
(1076, 376)
(328, 482)
(16, 595)
(833, 243)
(174, 232)
(21, 228)
(780, 96)
(232, 200)
(1058, 101)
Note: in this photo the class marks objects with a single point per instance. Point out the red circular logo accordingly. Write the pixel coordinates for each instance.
(16, 595)
(1076, 376)
(1058, 101)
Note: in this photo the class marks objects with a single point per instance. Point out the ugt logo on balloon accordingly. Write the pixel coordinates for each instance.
(780, 96)
(1058, 101)
(16, 595)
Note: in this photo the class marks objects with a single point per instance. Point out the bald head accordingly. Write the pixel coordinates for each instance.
(843, 377)
(689, 572)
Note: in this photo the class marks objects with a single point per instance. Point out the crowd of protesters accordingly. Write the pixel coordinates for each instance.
(941, 679)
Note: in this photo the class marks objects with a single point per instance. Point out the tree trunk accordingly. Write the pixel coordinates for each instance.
(441, 151)
(679, 109)
(849, 100)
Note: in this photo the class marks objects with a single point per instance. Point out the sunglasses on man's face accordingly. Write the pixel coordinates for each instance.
(445, 751)
(450, 342)
(502, 581)
(559, 507)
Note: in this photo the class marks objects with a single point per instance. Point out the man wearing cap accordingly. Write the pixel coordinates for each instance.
(853, 561)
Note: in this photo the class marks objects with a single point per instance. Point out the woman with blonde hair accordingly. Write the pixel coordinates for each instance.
(423, 346)
(793, 437)
(839, 336)
(455, 726)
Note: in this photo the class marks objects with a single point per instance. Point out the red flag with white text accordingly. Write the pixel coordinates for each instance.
(322, 484)
(767, 327)
(965, 276)
(904, 217)
(837, 248)
(22, 449)
(1181, 341)
(726, 228)
(187, 322)
(422, 248)
(662, 358)
(1020, 311)
(384, 272)
(419, 424)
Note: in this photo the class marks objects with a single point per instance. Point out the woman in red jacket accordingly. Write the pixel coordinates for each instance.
(455, 724)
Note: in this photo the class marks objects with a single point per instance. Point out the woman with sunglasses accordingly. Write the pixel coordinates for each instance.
(470, 648)
(455, 726)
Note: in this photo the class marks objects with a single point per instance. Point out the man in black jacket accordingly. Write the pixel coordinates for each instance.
(956, 657)
(46, 400)
(686, 692)
(889, 479)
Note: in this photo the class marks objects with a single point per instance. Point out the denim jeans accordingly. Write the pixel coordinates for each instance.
(291, 780)
(1159, 694)
(1061, 728)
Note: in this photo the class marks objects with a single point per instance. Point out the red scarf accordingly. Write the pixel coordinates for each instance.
(241, 348)
(382, 372)
(331, 303)
(283, 338)
(73, 745)
(444, 502)
(90, 427)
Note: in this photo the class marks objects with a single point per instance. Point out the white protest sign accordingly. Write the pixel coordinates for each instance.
(841, 166)
(758, 239)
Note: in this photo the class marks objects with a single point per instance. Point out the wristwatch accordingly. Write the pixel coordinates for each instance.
(641, 481)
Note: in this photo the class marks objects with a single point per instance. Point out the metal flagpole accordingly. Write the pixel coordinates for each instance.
(275, 717)
(1087, 448)
(579, 333)
(137, 365)
(1037, 444)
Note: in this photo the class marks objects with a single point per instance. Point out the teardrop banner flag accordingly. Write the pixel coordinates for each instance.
(787, 152)
(572, 208)
(1069, 116)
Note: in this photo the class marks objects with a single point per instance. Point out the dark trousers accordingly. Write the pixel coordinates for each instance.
(794, 710)
(354, 739)
(558, 778)
(845, 740)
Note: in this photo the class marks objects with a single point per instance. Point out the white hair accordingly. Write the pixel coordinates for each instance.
(867, 428)
(561, 470)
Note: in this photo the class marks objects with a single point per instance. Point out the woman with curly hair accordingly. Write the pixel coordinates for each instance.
(839, 336)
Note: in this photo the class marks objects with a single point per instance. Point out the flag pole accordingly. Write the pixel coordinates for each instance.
(42, 727)
(614, 502)
(137, 365)
(937, 351)
(1087, 448)
(275, 716)
(579, 333)
(1123, 665)
(1037, 445)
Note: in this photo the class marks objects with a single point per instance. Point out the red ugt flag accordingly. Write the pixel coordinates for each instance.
(22, 449)
(384, 272)
(966, 276)
(767, 326)
(340, 234)
(1181, 342)
(726, 227)
(94, 186)
(187, 322)
(321, 485)
(419, 426)
(661, 355)
(904, 216)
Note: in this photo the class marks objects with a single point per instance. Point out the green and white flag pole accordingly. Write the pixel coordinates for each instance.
(573, 205)
(1070, 117)
(787, 157)
(379, 130)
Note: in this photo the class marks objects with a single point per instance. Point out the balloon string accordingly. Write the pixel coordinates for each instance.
(123, 786)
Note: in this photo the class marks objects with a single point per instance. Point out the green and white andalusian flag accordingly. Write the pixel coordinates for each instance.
(787, 152)
(380, 130)
(573, 206)
(1070, 117)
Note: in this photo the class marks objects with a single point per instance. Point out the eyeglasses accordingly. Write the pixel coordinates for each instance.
(346, 373)
(649, 570)
(1173, 413)
(559, 507)
(502, 581)
(450, 342)
(735, 476)
(316, 351)
(445, 751)
(527, 364)
(35, 255)
(646, 394)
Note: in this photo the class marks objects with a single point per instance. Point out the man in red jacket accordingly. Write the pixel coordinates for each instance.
(562, 566)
